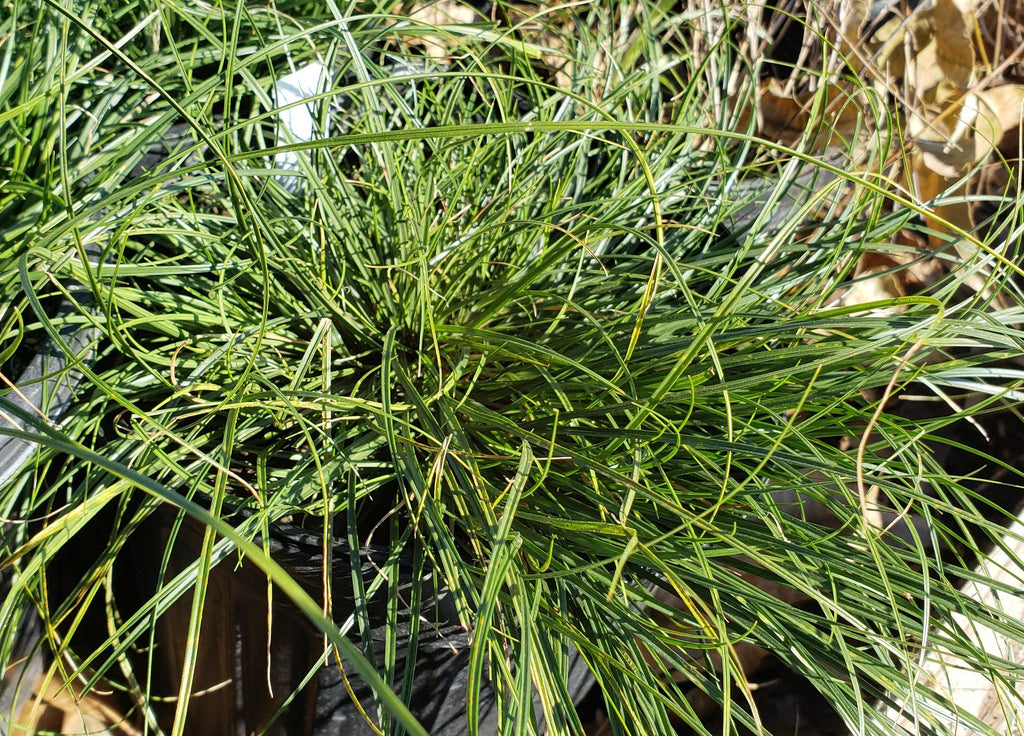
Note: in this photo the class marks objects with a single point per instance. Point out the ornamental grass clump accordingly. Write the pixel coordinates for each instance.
(518, 333)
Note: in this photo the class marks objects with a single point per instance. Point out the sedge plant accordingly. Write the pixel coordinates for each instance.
(519, 329)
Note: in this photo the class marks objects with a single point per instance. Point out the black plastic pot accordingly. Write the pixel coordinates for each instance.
(245, 686)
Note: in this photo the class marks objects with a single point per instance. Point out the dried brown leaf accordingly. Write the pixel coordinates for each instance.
(943, 65)
(889, 275)
(440, 13)
(950, 144)
(786, 118)
(443, 12)
(1003, 107)
(929, 184)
